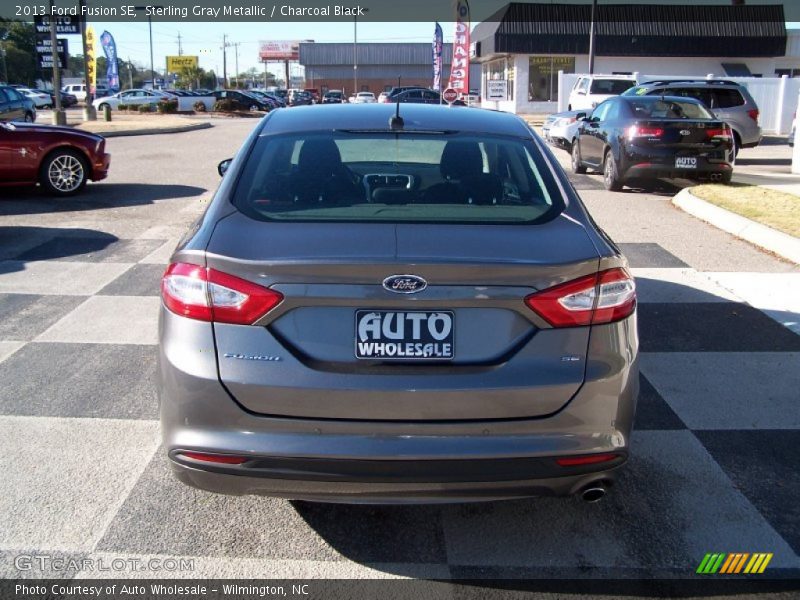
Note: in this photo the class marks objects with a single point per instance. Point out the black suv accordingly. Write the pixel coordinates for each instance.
(728, 100)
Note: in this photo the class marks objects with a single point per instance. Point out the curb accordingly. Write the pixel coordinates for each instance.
(777, 242)
(152, 131)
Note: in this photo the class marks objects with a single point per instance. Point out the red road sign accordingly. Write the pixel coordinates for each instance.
(449, 95)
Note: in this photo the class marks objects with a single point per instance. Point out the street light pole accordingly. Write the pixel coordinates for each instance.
(355, 55)
(591, 37)
(152, 68)
(59, 117)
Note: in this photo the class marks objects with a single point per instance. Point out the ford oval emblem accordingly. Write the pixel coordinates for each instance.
(405, 284)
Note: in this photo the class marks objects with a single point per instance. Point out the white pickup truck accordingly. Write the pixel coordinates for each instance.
(591, 90)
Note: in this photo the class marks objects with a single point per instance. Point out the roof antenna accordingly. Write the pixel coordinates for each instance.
(396, 122)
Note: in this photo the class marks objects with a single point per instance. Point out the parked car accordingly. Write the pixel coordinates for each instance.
(591, 90)
(314, 92)
(40, 99)
(14, 106)
(364, 98)
(243, 99)
(420, 96)
(333, 97)
(67, 100)
(269, 100)
(561, 129)
(471, 98)
(384, 96)
(76, 89)
(60, 159)
(649, 137)
(300, 98)
(130, 98)
(101, 91)
(453, 327)
(728, 100)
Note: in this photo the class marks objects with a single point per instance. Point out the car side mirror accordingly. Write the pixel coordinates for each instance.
(223, 166)
(581, 117)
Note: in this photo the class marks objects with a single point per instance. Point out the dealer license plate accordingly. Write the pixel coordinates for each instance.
(405, 335)
(685, 162)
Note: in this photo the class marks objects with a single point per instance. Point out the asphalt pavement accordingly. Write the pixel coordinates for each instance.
(714, 452)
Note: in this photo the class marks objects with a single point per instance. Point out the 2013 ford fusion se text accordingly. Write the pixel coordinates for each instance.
(388, 304)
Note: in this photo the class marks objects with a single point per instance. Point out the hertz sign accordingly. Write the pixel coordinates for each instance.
(175, 64)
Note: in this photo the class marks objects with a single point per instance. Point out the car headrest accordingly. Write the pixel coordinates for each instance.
(461, 159)
(319, 156)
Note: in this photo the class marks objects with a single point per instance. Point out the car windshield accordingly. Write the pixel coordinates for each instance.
(397, 177)
(658, 108)
(611, 86)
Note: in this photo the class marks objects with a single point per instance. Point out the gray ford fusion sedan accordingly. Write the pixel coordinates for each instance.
(383, 308)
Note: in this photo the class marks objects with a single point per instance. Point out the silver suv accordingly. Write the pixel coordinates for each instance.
(730, 101)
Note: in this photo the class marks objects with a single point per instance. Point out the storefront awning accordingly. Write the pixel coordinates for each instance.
(634, 30)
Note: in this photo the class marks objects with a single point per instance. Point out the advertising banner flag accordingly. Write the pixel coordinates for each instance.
(437, 57)
(110, 50)
(91, 61)
(459, 69)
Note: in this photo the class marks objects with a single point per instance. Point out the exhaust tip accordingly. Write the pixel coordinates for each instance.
(593, 493)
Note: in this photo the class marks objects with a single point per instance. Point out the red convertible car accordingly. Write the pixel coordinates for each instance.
(60, 159)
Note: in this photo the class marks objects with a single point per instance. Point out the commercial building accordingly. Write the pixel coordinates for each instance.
(329, 66)
(522, 47)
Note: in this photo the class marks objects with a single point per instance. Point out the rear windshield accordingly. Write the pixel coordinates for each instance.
(656, 108)
(610, 86)
(403, 177)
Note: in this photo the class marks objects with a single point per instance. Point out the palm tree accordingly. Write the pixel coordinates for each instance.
(190, 77)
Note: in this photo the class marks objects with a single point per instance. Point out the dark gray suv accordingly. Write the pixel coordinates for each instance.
(728, 100)
(376, 309)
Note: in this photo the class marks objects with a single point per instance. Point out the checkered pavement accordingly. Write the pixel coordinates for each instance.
(713, 466)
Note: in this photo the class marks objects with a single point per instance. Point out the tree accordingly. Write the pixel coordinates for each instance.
(189, 77)
(19, 50)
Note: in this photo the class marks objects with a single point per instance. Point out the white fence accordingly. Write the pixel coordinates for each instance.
(776, 97)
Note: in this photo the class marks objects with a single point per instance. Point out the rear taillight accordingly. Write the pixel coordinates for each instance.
(604, 297)
(209, 295)
(640, 131)
(753, 114)
(719, 133)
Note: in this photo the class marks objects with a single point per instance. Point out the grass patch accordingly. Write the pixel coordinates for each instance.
(775, 209)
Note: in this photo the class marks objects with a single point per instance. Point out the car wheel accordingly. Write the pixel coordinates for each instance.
(253, 107)
(63, 172)
(103, 106)
(28, 117)
(577, 167)
(737, 144)
(610, 176)
(726, 177)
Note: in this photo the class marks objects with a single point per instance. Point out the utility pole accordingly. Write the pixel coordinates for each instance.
(59, 116)
(236, 46)
(591, 37)
(89, 111)
(225, 60)
(130, 73)
(180, 47)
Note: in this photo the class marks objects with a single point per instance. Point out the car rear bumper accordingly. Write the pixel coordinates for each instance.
(368, 490)
(342, 460)
(656, 171)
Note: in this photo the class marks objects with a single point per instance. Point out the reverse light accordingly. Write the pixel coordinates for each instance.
(603, 297)
(210, 295)
(589, 459)
(640, 131)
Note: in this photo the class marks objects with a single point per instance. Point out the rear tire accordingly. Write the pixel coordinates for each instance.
(64, 172)
(577, 167)
(28, 117)
(610, 175)
(726, 177)
(102, 107)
